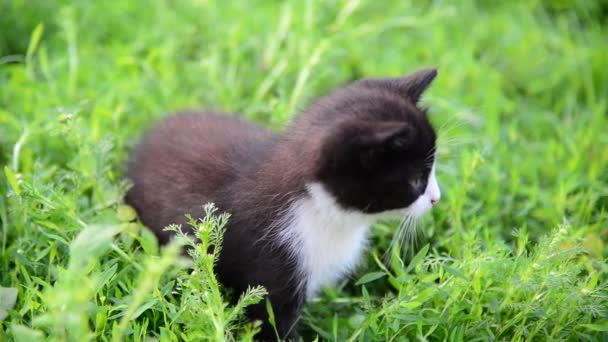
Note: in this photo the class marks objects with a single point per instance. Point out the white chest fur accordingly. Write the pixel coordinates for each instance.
(326, 240)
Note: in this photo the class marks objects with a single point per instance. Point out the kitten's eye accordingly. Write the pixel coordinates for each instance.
(368, 158)
(418, 186)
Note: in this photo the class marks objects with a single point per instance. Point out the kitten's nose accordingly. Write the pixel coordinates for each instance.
(432, 188)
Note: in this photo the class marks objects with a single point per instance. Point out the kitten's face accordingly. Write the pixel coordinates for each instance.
(379, 153)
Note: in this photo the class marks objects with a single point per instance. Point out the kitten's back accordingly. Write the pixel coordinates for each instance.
(188, 155)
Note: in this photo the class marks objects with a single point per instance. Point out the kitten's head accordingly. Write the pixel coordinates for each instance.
(378, 153)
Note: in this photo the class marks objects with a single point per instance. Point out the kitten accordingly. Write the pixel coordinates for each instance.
(302, 202)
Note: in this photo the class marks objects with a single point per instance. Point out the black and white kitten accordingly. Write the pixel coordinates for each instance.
(301, 202)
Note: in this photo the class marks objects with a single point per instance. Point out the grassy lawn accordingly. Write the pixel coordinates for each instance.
(516, 249)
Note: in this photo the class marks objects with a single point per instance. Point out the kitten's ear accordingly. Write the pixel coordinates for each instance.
(396, 135)
(378, 139)
(413, 85)
(364, 144)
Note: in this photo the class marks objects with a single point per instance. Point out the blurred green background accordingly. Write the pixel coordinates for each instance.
(516, 249)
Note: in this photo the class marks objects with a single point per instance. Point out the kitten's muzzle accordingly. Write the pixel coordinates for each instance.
(432, 188)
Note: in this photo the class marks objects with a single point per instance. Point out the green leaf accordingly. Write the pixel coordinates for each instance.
(167, 335)
(104, 277)
(271, 317)
(125, 213)
(454, 272)
(21, 333)
(411, 305)
(334, 328)
(92, 242)
(31, 49)
(270, 312)
(477, 283)
(457, 334)
(326, 335)
(370, 277)
(396, 262)
(596, 327)
(365, 295)
(418, 258)
(143, 308)
(34, 41)
(426, 294)
(8, 298)
(148, 241)
(12, 180)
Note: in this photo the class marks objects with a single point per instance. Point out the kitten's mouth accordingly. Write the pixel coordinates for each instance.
(424, 203)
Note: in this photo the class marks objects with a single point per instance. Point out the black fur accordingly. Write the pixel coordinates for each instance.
(364, 142)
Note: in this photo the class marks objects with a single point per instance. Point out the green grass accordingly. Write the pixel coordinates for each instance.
(516, 250)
